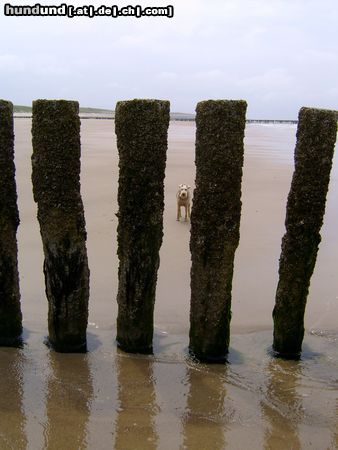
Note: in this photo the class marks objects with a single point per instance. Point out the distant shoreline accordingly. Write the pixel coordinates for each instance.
(25, 112)
(172, 118)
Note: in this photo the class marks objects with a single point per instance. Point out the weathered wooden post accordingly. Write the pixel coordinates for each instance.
(316, 136)
(56, 188)
(141, 128)
(10, 310)
(215, 221)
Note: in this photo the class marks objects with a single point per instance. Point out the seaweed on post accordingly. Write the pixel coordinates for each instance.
(316, 136)
(215, 221)
(10, 308)
(56, 189)
(141, 128)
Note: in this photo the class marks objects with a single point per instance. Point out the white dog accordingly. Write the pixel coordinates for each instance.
(183, 199)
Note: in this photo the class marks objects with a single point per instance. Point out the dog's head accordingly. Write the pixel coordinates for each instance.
(183, 191)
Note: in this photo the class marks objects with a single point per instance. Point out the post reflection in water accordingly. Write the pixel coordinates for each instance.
(282, 408)
(334, 439)
(12, 415)
(69, 397)
(137, 407)
(206, 416)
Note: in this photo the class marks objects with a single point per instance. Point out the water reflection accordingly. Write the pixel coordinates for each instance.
(206, 416)
(282, 407)
(137, 408)
(69, 397)
(12, 415)
(334, 443)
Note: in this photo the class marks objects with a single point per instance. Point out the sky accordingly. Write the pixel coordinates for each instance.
(278, 55)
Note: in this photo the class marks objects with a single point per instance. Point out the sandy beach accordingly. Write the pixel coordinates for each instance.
(108, 399)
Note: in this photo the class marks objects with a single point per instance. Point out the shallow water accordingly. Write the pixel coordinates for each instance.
(108, 399)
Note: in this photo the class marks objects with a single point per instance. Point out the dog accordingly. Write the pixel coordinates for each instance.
(183, 199)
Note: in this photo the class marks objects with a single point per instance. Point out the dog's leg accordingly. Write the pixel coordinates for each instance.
(189, 211)
(178, 212)
(186, 213)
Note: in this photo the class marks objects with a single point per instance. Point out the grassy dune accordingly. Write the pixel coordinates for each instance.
(85, 110)
(28, 109)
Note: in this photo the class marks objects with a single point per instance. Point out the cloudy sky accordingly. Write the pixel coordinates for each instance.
(278, 55)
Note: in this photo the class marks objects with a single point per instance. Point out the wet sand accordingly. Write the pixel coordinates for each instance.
(108, 399)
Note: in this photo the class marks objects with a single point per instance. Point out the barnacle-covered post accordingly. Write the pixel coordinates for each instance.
(141, 128)
(316, 136)
(10, 309)
(56, 188)
(215, 222)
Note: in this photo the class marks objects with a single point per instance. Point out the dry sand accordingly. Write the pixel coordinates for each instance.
(266, 181)
(107, 399)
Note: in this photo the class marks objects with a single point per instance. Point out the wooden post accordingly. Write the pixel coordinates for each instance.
(56, 188)
(141, 128)
(10, 310)
(316, 136)
(215, 221)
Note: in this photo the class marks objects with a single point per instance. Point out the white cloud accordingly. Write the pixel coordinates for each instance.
(317, 57)
(277, 78)
(209, 75)
(47, 65)
(132, 41)
(11, 63)
(275, 53)
(168, 76)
